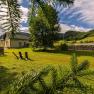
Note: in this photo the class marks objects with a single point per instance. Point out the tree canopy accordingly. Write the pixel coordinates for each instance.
(41, 28)
(43, 21)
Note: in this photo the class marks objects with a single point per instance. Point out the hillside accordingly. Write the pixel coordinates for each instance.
(80, 36)
(88, 39)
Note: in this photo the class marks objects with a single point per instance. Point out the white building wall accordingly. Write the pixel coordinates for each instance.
(18, 43)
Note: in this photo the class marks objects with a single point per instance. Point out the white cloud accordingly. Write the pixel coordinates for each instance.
(82, 12)
(24, 11)
(81, 29)
(24, 14)
(65, 27)
(24, 29)
(20, 1)
(86, 8)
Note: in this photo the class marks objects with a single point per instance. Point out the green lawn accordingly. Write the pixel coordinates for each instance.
(38, 60)
(10, 67)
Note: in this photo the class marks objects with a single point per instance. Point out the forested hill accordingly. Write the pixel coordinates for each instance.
(77, 35)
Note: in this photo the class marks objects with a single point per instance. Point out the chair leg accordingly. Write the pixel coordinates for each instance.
(20, 55)
(26, 56)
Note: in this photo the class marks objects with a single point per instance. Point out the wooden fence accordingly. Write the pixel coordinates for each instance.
(81, 47)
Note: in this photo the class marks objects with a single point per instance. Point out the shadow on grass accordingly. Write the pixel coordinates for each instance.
(5, 78)
(79, 53)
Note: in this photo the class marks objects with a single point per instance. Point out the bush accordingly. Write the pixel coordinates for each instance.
(64, 47)
(1, 51)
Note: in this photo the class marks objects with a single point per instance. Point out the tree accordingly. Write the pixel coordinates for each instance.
(43, 28)
(9, 15)
(49, 20)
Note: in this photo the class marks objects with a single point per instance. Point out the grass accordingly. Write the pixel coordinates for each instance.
(87, 39)
(38, 60)
(10, 67)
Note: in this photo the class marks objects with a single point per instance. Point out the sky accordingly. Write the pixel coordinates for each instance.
(80, 16)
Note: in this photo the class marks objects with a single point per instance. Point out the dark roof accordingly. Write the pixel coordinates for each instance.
(2, 36)
(8, 35)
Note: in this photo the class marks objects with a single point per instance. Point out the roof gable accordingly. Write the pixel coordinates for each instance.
(17, 35)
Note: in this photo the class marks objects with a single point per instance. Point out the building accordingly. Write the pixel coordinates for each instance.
(18, 40)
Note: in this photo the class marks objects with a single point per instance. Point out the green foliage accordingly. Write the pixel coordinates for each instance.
(48, 15)
(35, 83)
(66, 1)
(9, 15)
(64, 47)
(91, 33)
(42, 28)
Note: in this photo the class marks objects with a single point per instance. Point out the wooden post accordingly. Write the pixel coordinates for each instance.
(20, 55)
(26, 56)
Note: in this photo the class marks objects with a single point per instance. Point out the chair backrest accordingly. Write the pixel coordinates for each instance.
(20, 56)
